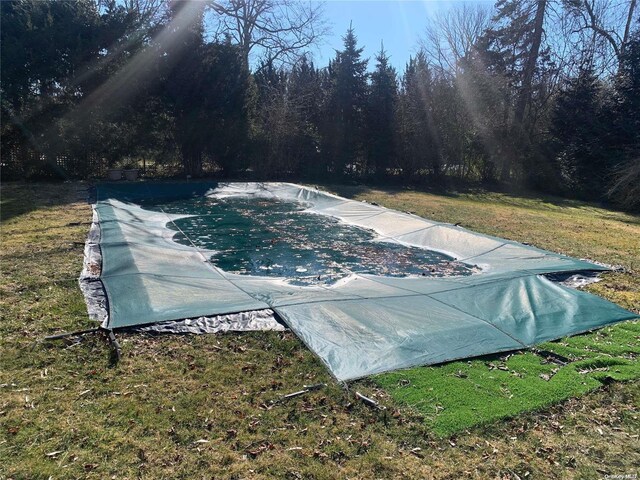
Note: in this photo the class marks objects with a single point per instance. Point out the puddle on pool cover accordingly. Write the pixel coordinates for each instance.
(274, 238)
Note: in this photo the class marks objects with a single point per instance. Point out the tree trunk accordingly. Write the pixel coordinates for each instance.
(191, 161)
(530, 66)
(627, 28)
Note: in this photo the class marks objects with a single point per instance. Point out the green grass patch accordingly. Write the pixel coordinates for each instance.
(461, 395)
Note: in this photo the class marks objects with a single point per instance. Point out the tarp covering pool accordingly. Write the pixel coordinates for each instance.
(368, 289)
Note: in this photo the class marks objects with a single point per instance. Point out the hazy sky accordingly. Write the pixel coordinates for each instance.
(399, 23)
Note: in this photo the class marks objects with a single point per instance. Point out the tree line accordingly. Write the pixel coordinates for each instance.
(541, 94)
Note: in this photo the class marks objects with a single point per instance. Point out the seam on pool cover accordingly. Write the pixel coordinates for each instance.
(483, 253)
(395, 237)
(479, 318)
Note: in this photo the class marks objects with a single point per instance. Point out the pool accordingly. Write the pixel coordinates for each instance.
(270, 237)
(366, 288)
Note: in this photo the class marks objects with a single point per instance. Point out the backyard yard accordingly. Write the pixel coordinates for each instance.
(212, 405)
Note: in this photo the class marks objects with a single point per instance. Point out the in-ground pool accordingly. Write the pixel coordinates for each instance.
(404, 304)
(269, 237)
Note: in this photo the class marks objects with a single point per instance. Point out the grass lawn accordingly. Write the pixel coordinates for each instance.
(208, 406)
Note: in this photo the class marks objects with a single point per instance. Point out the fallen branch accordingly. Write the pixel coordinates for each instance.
(369, 401)
(305, 389)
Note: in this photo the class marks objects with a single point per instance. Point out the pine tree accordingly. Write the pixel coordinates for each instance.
(627, 89)
(518, 37)
(288, 111)
(578, 127)
(345, 108)
(382, 104)
(306, 91)
(418, 152)
(514, 51)
(205, 87)
(624, 188)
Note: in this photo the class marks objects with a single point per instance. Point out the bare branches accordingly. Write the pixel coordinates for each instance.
(594, 24)
(278, 31)
(148, 11)
(609, 21)
(451, 35)
(532, 60)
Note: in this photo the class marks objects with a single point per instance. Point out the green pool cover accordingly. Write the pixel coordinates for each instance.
(368, 289)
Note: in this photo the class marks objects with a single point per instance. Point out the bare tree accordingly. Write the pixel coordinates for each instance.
(276, 30)
(610, 22)
(451, 35)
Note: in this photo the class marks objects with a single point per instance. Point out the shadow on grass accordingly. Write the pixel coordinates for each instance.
(20, 198)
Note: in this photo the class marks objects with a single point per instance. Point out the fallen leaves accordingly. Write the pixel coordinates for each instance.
(548, 376)
(261, 448)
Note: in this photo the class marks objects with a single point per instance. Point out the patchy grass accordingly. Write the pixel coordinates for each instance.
(460, 395)
(207, 406)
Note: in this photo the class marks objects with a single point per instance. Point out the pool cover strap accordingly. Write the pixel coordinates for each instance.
(365, 324)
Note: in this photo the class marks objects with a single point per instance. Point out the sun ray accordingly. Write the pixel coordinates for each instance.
(139, 70)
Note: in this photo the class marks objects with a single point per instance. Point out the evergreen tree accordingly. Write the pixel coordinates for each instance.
(485, 86)
(54, 55)
(419, 150)
(288, 111)
(382, 104)
(205, 90)
(627, 98)
(306, 86)
(578, 127)
(276, 123)
(451, 126)
(518, 38)
(306, 91)
(625, 181)
(514, 50)
(345, 108)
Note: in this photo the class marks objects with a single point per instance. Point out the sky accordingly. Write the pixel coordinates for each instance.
(398, 23)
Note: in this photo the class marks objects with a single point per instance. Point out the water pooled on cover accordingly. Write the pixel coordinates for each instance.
(266, 237)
